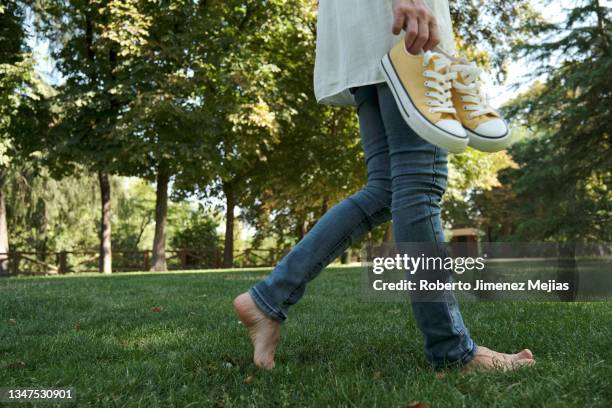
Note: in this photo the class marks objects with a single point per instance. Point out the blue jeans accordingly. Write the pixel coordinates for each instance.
(406, 181)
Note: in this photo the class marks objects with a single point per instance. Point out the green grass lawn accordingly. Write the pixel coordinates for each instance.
(172, 339)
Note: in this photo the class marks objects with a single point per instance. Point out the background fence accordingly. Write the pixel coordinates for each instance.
(51, 263)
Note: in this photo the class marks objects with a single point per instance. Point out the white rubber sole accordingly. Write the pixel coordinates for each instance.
(415, 119)
(489, 145)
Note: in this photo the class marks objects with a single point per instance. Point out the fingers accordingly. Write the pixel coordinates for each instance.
(421, 39)
(399, 20)
(412, 32)
(419, 23)
(434, 37)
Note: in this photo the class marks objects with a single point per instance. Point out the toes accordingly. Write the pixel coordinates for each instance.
(524, 354)
(264, 363)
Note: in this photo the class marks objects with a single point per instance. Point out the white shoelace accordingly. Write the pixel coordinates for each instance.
(440, 99)
(476, 101)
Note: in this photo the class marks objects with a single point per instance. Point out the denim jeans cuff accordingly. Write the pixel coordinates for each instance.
(468, 356)
(265, 306)
(462, 361)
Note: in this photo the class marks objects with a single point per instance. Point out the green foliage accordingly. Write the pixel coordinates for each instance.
(12, 35)
(45, 214)
(133, 215)
(470, 174)
(486, 30)
(218, 96)
(93, 44)
(197, 231)
(563, 184)
(22, 113)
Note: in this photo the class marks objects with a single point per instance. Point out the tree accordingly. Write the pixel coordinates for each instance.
(94, 43)
(486, 30)
(164, 122)
(470, 174)
(563, 182)
(21, 108)
(49, 215)
(314, 148)
(248, 51)
(197, 231)
(134, 215)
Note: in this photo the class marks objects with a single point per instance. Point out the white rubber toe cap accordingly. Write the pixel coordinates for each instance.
(452, 126)
(492, 128)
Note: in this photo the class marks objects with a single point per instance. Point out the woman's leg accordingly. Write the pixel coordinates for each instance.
(267, 303)
(419, 173)
(341, 226)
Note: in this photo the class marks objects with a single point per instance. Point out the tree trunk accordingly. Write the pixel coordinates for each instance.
(106, 256)
(4, 241)
(301, 229)
(161, 217)
(228, 249)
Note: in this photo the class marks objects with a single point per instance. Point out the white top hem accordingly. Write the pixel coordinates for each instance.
(342, 96)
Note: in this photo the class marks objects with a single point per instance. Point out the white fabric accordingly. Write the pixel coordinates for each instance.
(353, 36)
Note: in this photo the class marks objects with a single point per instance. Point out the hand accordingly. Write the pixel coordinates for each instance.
(420, 25)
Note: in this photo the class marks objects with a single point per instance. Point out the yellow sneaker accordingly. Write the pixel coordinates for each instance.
(421, 85)
(486, 130)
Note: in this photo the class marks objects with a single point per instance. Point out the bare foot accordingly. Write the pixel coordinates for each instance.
(264, 331)
(487, 359)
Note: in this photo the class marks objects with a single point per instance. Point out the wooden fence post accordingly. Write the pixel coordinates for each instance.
(63, 262)
(183, 258)
(146, 261)
(15, 264)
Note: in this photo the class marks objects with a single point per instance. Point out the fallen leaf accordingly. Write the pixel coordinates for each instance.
(16, 364)
(77, 326)
(219, 404)
(248, 380)
(12, 321)
(156, 309)
(440, 375)
(377, 375)
(416, 404)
